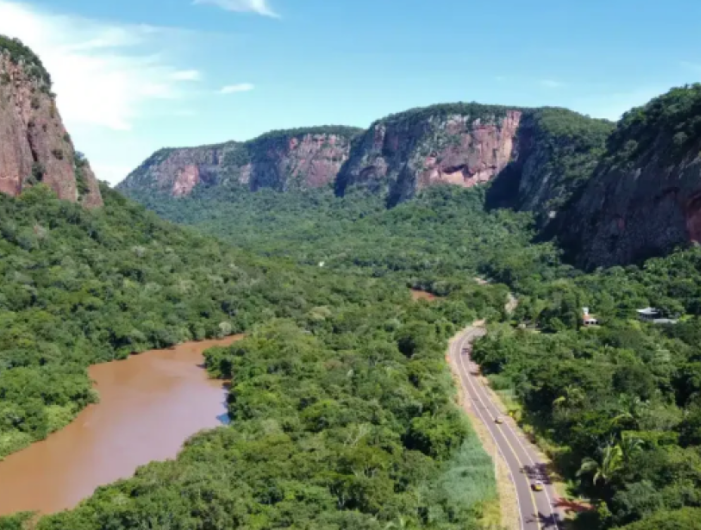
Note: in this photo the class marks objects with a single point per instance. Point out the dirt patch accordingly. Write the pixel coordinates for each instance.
(573, 507)
(418, 294)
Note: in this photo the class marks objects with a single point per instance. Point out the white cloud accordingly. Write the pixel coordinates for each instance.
(551, 83)
(241, 87)
(186, 75)
(105, 74)
(260, 7)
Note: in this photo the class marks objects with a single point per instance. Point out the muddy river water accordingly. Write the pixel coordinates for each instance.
(149, 405)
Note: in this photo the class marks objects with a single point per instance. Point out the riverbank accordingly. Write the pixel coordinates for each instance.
(149, 405)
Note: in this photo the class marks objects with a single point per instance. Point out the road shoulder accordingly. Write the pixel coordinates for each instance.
(509, 510)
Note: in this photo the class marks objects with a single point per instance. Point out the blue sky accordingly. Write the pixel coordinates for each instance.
(136, 75)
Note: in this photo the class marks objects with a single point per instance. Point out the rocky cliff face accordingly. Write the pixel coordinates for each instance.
(559, 150)
(178, 171)
(463, 145)
(34, 145)
(282, 160)
(535, 157)
(645, 197)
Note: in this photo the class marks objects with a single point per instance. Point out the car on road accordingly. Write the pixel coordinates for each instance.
(498, 420)
(537, 485)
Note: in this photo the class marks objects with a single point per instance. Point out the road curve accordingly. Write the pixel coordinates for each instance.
(538, 510)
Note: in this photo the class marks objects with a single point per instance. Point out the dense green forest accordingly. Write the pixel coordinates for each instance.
(618, 411)
(439, 241)
(342, 406)
(343, 418)
(617, 404)
(81, 287)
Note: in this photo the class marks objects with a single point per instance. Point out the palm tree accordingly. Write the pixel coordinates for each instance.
(631, 407)
(629, 446)
(573, 396)
(610, 463)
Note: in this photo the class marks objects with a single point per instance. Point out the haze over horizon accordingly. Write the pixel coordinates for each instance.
(137, 75)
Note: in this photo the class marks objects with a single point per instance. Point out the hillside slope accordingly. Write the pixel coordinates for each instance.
(84, 286)
(35, 146)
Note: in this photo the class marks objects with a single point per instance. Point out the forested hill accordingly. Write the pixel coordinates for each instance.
(609, 194)
(80, 287)
(645, 198)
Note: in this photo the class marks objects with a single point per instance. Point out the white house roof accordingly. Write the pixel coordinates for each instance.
(648, 311)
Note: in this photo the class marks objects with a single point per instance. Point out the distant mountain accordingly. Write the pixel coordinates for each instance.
(282, 160)
(34, 144)
(611, 194)
(536, 155)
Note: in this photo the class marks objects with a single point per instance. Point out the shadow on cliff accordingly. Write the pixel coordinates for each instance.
(503, 191)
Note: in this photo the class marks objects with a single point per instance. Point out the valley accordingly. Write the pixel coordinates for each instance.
(323, 273)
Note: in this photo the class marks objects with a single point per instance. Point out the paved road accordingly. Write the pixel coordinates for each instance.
(538, 511)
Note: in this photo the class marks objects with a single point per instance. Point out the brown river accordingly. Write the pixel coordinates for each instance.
(149, 405)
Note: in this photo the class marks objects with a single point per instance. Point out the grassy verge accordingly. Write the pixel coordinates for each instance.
(503, 511)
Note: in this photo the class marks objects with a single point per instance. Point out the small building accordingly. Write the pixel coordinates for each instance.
(654, 316)
(588, 319)
(662, 321)
(648, 314)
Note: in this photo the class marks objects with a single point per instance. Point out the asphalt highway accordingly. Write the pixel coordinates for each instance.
(538, 509)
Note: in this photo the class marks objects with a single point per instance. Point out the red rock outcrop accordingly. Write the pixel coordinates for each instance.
(535, 156)
(34, 144)
(282, 160)
(477, 153)
(185, 180)
(307, 160)
(463, 145)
